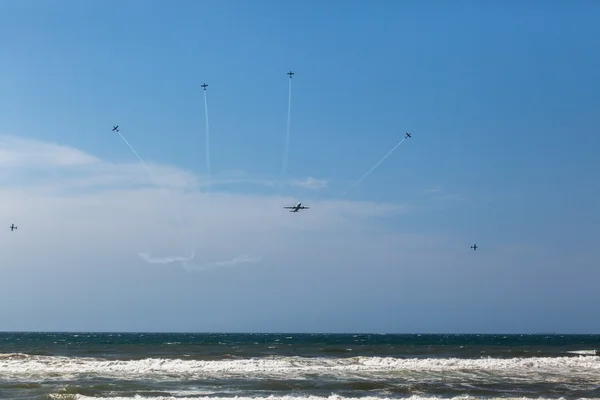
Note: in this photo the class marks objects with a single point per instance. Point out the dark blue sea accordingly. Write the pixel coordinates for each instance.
(297, 366)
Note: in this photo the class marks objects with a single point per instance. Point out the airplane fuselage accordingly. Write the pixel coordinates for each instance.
(297, 207)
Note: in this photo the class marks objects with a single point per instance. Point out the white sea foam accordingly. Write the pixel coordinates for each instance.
(550, 369)
(332, 397)
(585, 352)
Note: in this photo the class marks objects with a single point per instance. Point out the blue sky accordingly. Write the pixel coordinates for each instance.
(501, 98)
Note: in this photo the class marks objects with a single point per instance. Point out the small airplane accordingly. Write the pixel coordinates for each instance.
(474, 247)
(12, 227)
(116, 128)
(290, 74)
(297, 207)
(204, 85)
(408, 135)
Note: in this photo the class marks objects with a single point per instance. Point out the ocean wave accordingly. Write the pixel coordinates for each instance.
(39, 368)
(13, 356)
(585, 352)
(332, 397)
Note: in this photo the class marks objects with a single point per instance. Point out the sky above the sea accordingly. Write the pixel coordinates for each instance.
(501, 98)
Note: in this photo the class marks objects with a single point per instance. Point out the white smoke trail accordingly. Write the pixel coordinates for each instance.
(142, 161)
(287, 136)
(145, 256)
(376, 165)
(165, 260)
(244, 259)
(207, 142)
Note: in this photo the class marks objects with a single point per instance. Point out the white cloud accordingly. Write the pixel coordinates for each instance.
(219, 264)
(165, 260)
(473, 199)
(27, 161)
(26, 153)
(100, 247)
(443, 195)
(310, 183)
(65, 200)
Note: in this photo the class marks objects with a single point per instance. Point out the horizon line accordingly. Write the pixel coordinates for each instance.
(300, 333)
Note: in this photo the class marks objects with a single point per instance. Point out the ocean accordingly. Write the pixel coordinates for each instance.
(297, 366)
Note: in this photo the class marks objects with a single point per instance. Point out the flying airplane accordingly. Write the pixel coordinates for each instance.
(407, 135)
(297, 207)
(474, 247)
(290, 74)
(204, 85)
(116, 128)
(12, 227)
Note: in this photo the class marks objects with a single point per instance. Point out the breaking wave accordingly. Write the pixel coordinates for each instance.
(21, 367)
(332, 397)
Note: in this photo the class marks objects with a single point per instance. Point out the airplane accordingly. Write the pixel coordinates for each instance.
(116, 128)
(290, 74)
(12, 227)
(204, 85)
(407, 135)
(297, 207)
(474, 247)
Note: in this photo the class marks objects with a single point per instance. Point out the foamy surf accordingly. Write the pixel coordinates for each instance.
(69, 366)
(332, 397)
(585, 352)
(39, 368)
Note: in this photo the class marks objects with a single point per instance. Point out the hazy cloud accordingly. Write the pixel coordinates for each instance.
(27, 153)
(310, 183)
(442, 195)
(99, 245)
(48, 188)
(164, 260)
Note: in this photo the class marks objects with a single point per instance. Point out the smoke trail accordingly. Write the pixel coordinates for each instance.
(207, 142)
(145, 256)
(287, 136)
(245, 259)
(166, 260)
(376, 165)
(265, 237)
(145, 165)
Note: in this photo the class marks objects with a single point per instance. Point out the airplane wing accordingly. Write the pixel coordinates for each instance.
(289, 207)
(305, 208)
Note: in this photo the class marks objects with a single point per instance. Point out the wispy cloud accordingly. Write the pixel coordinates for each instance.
(442, 195)
(452, 197)
(243, 178)
(245, 259)
(164, 260)
(473, 199)
(117, 207)
(26, 162)
(310, 183)
(30, 154)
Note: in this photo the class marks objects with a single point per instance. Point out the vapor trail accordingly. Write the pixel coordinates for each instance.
(166, 260)
(145, 256)
(245, 259)
(287, 136)
(376, 165)
(207, 141)
(144, 164)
